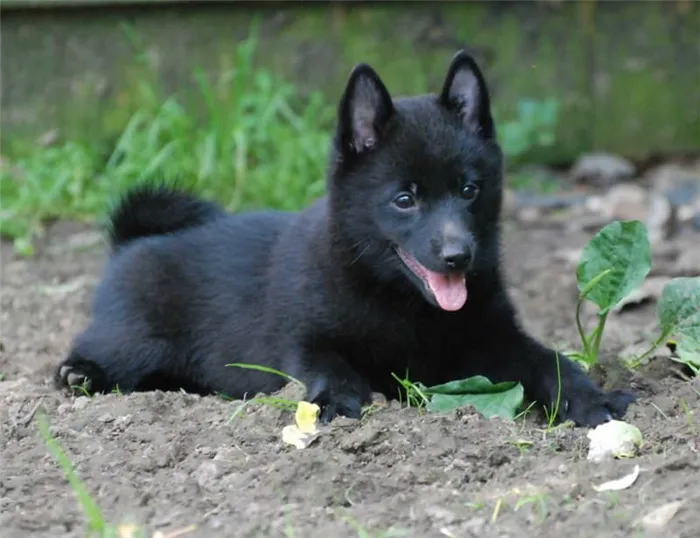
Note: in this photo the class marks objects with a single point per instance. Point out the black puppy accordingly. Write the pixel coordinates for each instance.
(395, 270)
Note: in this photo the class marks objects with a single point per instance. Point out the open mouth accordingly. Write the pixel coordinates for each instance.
(448, 289)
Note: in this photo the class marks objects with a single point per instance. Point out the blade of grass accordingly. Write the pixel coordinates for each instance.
(92, 512)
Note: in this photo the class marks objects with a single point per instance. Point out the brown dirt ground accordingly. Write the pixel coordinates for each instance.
(172, 460)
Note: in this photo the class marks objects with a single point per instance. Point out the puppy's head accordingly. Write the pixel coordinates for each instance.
(415, 183)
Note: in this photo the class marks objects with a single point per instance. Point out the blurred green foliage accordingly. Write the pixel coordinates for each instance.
(534, 126)
(251, 141)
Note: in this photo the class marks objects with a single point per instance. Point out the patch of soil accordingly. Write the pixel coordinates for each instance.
(170, 460)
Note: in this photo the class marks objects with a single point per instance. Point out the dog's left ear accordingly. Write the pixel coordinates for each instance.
(465, 93)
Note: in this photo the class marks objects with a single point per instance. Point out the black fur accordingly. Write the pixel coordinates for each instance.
(157, 210)
(323, 294)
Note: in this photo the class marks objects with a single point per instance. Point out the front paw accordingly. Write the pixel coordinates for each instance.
(574, 396)
(339, 397)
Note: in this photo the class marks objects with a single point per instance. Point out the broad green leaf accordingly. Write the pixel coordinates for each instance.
(679, 316)
(491, 400)
(472, 385)
(498, 404)
(621, 248)
(688, 351)
(679, 307)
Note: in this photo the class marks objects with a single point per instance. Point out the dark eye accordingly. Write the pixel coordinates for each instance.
(404, 200)
(469, 191)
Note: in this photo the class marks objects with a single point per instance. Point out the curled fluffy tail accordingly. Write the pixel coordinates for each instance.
(157, 210)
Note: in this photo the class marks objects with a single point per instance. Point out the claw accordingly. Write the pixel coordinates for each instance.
(78, 380)
(71, 378)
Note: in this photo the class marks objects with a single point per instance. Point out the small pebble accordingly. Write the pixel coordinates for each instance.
(80, 403)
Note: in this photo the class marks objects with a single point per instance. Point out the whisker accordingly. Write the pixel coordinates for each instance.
(360, 254)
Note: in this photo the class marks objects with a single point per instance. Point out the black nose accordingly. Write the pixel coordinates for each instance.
(457, 256)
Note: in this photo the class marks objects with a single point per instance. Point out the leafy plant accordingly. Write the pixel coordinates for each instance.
(613, 264)
(491, 400)
(678, 311)
(534, 125)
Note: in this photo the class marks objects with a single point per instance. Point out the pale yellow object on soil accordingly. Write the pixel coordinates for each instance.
(307, 417)
(305, 431)
(620, 483)
(614, 439)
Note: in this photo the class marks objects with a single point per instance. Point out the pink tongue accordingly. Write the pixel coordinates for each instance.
(450, 290)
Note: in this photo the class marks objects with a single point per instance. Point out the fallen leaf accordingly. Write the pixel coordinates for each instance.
(620, 483)
(489, 399)
(71, 286)
(662, 515)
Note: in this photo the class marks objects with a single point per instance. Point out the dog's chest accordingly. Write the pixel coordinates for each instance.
(402, 340)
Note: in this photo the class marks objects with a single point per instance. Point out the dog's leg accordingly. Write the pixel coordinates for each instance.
(555, 381)
(552, 379)
(330, 382)
(105, 358)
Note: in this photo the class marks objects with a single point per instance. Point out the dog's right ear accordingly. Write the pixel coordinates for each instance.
(365, 108)
(465, 93)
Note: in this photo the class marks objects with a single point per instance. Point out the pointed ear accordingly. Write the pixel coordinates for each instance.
(365, 108)
(465, 93)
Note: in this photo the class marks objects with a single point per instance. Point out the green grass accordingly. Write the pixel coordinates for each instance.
(410, 393)
(248, 141)
(274, 401)
(553, 412)
(96, 524)
(538, 501)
